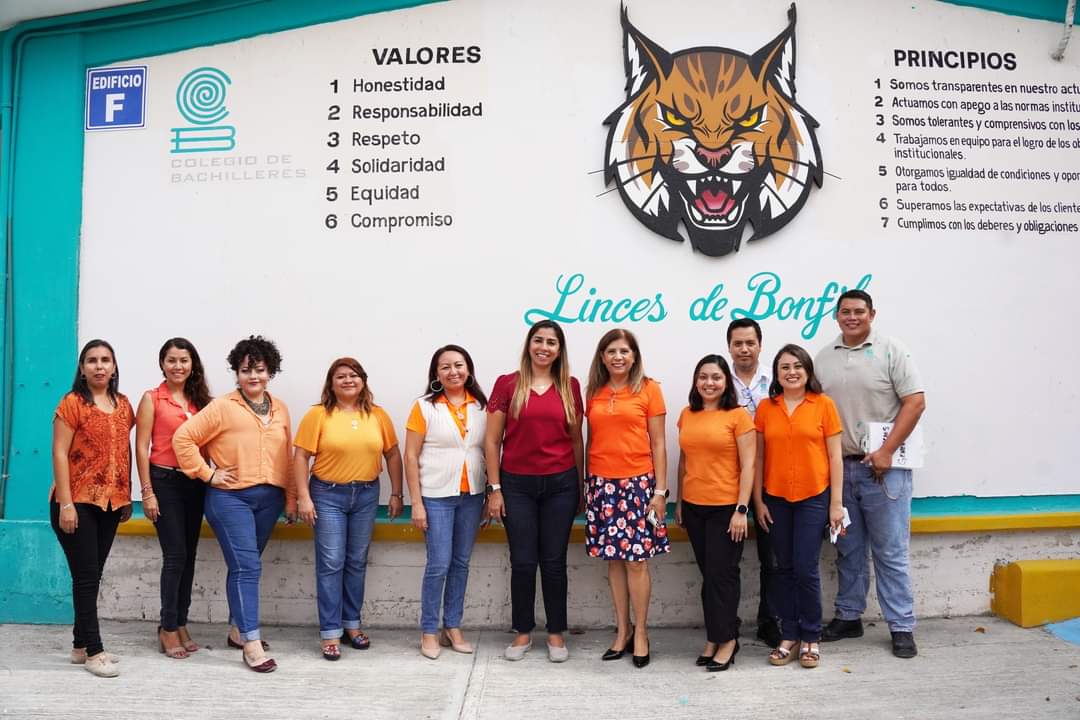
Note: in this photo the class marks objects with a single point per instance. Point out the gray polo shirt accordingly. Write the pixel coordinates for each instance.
(866, 382)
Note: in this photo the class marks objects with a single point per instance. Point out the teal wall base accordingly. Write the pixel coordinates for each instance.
(35, 586)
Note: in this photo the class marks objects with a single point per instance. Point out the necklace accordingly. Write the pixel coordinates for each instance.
(458, 410)
(539, 388)
(259, 408)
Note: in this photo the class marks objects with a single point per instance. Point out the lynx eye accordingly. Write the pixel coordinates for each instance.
(751, 119)
(672, 118)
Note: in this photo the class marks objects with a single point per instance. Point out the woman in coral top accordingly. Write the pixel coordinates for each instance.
(247, 435)
(626, 490)
(444, 466)
(91, 490)
(171, 500)
(534, 461)
(716, 478)
(798, 491)
(349, 437)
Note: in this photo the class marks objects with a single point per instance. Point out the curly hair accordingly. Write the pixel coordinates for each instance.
(255, 348)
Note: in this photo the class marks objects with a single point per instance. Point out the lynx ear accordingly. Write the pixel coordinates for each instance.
(776, 61)
(642, 58)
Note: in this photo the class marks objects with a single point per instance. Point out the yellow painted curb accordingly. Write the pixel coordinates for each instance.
(403, 531)
(1036, 592)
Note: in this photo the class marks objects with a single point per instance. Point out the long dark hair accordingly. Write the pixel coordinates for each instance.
(812, 384)
(79, 385)
(728, 399)
(329, 399)
(195, 387)
(472, 384)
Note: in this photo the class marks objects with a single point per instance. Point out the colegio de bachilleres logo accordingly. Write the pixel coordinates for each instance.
(711, 138)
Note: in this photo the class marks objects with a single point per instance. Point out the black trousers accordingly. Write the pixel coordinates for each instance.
(767, 560)
(180, 500)
(540, 511)
(86, 550)
(718, 559)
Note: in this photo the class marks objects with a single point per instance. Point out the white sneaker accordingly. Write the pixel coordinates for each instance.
(101, 666)
(517, 652)
(78, 656)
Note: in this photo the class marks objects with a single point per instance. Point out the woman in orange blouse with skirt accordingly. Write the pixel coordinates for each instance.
(798, 490)
(91, 490)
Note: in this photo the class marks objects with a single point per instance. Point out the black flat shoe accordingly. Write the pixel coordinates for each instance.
(714, 666)
(612, 654)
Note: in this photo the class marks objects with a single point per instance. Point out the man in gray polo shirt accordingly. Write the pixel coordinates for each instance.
(872, 378)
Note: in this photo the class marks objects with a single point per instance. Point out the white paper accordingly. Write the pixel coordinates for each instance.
(910, 453)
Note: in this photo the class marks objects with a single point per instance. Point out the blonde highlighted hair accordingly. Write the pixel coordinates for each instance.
(560, 374)
(598, 372)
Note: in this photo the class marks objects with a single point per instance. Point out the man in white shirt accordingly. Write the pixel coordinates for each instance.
(751, 387)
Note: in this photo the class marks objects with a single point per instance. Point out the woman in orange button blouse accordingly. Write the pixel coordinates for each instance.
(247, 435)
(798, 490)
(91, 490)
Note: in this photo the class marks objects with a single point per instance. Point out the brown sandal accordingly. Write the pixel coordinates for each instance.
(781, 655)
(177, 652)
(809, 654)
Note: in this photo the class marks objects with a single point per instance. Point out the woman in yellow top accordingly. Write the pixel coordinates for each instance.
(349, 436)
(247, 435)
(716, 479)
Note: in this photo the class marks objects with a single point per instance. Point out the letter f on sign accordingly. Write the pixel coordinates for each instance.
(114, 103)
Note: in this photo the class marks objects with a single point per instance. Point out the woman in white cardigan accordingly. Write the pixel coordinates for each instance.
(444, 466)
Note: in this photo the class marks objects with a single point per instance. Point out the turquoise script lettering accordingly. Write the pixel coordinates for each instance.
(575, 306)
(711, 306)
(768, 302)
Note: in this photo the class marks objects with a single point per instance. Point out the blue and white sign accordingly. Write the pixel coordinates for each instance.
(115, 97)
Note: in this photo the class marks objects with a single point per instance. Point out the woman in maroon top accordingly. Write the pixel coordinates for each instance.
(534, 458)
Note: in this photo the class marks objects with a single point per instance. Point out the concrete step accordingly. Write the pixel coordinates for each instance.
(1036, 592)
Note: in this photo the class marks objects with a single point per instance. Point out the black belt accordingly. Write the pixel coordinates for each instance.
(858, 457)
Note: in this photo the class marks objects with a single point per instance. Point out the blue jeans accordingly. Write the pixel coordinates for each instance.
(881, 523)
(452, 526)
(797, 531)
(343, 528)
(242, 521)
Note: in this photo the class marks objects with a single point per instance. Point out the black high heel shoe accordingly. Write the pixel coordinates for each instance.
(714, 666)
(641, 661)
(611, 654)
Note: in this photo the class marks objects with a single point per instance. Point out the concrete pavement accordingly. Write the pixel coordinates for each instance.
(969, 667)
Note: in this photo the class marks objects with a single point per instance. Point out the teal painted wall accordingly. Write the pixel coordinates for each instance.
(42, 76)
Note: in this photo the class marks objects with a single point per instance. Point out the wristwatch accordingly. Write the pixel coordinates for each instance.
(666, 493)
(492, 488)
(742, 509)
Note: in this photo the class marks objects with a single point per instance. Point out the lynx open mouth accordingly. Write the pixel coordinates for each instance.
(711, 202)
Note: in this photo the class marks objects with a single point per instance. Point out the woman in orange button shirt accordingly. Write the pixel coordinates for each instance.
(716, 477)
(91, 490)
(798, 490)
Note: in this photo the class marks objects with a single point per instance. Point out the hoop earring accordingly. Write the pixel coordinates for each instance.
(435, 389)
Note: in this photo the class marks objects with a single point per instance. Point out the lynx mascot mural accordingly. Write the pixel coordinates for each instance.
(712, 138)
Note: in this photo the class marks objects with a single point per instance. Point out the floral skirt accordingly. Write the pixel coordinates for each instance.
(616, 528)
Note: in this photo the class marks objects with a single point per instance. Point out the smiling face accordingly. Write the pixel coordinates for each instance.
(710, 383)
(544, 348)
(98, 367)
(452, 370)
(790, 373)
(618, 358)
(176, 366)
(346, 384)
(854, 317)
(252, 378)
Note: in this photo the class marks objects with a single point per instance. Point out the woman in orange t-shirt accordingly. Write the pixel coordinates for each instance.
(798, 490)
(626, 490)
(91, 490)
(716, 477)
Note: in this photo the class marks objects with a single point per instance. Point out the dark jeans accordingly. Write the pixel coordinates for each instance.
(540, 511)
(180, 500)
(797, 531)
(718, 559)
(767, 560)
(86, 550)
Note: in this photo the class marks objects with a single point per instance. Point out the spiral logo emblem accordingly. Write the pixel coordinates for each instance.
(201, 96)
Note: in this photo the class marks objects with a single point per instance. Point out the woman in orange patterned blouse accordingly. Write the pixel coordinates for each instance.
(91, 491)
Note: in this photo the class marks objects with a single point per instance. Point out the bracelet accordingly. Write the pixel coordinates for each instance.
(67, 505)
(397, 495)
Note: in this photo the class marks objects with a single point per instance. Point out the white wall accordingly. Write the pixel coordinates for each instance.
(983, 312)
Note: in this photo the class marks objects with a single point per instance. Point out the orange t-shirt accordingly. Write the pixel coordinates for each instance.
(796, 458)
(619, 444)
(417, 424)
(99, 459)
(710, 450)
